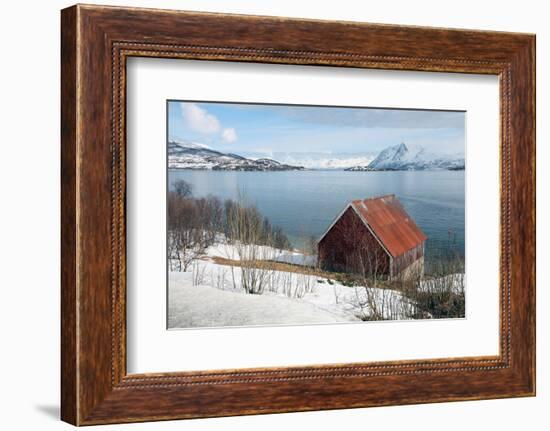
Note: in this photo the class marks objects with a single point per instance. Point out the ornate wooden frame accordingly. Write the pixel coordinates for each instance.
(95, 42)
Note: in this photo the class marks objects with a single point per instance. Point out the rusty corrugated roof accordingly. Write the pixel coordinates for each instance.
(390, 223)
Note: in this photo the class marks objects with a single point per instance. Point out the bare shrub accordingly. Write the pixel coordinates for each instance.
(218, 278)
(186, 237)
(210, 213)
(198, 273)
(246, 230)
(381, 304)
(182, 188)
(439, 295)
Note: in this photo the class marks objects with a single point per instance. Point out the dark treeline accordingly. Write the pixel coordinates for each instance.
(195, 223)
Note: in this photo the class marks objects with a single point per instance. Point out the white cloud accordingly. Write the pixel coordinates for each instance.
(199, 120)
(229, 135)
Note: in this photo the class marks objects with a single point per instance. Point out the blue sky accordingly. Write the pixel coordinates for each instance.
(265, 130)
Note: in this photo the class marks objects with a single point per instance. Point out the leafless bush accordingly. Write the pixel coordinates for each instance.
(247, 231)
(387, 304)
(218, 278)
(198, 273)
(440, 294)
(211, 214)
(186, 237)
(182, 188)
(438, 297)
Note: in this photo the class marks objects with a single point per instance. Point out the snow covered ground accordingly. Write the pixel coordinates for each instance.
(206, 306)
(212, 294)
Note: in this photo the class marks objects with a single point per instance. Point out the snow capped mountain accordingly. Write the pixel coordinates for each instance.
(325, 161)
(401, 158)
(190, 155)
(193, 155)
(188, 144)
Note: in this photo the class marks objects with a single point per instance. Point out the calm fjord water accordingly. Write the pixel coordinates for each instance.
(304, 203)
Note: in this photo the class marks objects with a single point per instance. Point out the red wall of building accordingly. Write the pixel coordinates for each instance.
(349, 246)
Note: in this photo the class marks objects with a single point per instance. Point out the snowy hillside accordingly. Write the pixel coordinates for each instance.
(212, 293)
(189, 155)
(401, 158)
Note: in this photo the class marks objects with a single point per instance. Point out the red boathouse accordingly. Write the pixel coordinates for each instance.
(373, 236)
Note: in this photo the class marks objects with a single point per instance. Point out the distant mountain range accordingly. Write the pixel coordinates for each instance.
(400, 158)
(324, 160)
(192, 155)
(189, 155)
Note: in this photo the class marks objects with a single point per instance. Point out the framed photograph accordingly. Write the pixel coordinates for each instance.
(263, 214)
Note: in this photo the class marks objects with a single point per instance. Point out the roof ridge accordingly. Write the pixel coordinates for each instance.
(389, 195)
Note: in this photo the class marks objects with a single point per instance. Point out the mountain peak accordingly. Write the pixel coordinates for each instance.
(401, 158)
(401, 151)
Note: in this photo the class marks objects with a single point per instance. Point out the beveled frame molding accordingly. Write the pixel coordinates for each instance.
(96, 41)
